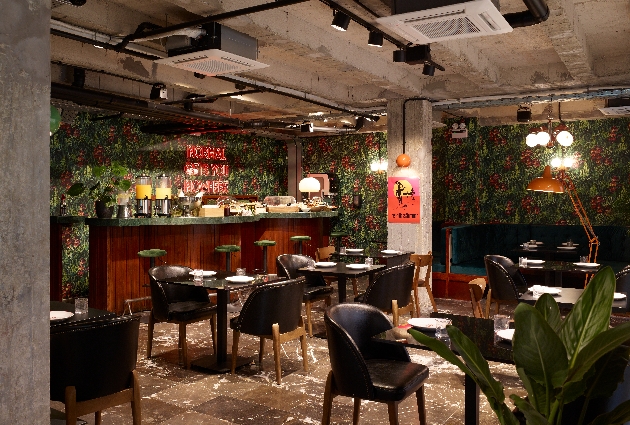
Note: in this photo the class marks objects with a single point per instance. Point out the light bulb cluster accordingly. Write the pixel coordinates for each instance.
(379, 165)
(541, 136)
(562, 162)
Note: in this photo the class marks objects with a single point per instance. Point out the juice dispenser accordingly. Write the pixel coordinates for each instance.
(143, 196)
(163, 196)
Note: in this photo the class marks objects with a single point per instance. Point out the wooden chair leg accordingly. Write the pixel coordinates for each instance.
(355, 289)
(150, 334)
(356, 411)
(213, 331)
(416, 303)
(275, 332)
(395, 312)
(235, 336)
(261, 352)
(392, 410)
(328, 399)
(304, 349)
(70, 401)
(136, 412)
(422, 413)
(97, 417)
(307, 305)
(182, 345)
(430, 292)
(488, 302)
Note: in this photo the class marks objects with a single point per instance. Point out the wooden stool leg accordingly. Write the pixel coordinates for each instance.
(356, 410)
(392, 409)
(422, 413)
(235, 335)
(328, 399)
(307, 305)
(70, 401)
(228, 262)
(213, 331)
(264, 248)
(275, 332)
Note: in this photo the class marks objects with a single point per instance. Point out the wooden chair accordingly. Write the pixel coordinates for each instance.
(422, 260)
(323, 254)
(505, 280)
(477, 288)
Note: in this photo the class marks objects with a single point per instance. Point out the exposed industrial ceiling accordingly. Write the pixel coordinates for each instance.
(317, 74)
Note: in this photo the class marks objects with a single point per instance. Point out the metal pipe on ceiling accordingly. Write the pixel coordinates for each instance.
(537, 12)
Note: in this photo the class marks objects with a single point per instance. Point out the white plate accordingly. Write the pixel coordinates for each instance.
(545, 289)
(325, 264)
(390, 251)
(587, 264)
(567, 244)
(206, 273)
(60, 315)
(506, 334)
(618, 296)
(535, 261)
(425, 323)
(567, 247)
(354, 250)
(239, 279)
(357, 266)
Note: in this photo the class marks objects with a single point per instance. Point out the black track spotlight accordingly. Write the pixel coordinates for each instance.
(306, 127)
(198, 75)
(375, 39)
(158, 91)
(428, 69)
(340, 21)
(78, 78)
(400, 55)
(523, 114)
(77, 2)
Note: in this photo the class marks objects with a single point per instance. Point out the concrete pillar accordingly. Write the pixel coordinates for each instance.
(418, 126)
(24, 211)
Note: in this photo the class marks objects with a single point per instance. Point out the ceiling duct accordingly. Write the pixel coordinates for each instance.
(620, 106)
(440, 20)
(219, 51)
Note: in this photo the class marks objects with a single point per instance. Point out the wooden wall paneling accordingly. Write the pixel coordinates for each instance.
(251, 255)
(98, 261)
(117, 277)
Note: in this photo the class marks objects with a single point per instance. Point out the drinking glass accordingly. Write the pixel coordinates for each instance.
(80, 306)
(522, 261)
(440, 330)
(501, 322)
(584, 259)
(369, 261)
(198, 277)
(525, 246)
(342, 250)
(241, 271)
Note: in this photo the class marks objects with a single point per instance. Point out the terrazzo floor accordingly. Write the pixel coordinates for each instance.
(172, 395)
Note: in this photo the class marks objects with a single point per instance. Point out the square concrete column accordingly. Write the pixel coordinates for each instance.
(25, 212)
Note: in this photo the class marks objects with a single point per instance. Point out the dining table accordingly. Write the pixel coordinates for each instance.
(567, 297)
(562, 252)
(479, 330)
(556, 269)
(341, 272)
(220, 361)
(57, 324)
(390, 258)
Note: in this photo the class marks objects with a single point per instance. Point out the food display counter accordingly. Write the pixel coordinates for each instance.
(117, 273)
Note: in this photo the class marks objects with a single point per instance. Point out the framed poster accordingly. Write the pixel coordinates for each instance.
(403, 200)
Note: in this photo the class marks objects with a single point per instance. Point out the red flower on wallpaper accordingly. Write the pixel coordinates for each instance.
(98, 155)
(66, 179)
(496, 138)
(596, 155)
(347, 164)
(527, 203)
(509, 162)
(509, 208)
(597, 204)
(496, 183)
(613, 186)
(434, 162)
(463, 163)
(612, 136)
(528, 158)
(463, 208)
(451, 183)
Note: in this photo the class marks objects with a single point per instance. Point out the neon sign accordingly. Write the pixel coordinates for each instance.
(195, 168)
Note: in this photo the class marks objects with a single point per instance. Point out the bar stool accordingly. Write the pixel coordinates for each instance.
(299, 240)
(228, 249)
(264, 244)
(151, 254)
(337, 237)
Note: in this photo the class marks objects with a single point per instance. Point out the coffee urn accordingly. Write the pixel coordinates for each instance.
(143, 196)
(163, 196)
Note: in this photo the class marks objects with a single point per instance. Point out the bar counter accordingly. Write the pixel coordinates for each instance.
(117, 273)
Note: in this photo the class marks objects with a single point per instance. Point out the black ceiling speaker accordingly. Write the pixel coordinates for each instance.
(523, 114)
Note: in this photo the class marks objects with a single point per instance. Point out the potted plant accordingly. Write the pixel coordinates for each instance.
(106, 182)
(558, 360)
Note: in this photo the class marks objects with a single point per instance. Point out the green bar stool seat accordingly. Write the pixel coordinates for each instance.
(228, 249)
(264, 244)
(337, 237)
(151, 254)
(299, 240)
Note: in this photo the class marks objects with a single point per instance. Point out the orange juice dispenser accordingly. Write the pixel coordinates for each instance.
(163, 195)
(143, 196)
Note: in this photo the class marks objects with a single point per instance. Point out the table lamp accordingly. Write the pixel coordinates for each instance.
(308, 185)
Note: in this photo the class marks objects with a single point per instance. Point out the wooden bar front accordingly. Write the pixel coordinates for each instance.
(117, 273)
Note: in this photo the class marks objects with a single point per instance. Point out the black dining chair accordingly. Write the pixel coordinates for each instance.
(505, 282)
(365, 369)
(315, 288)
(92, 367)
(272, 311)
(623, 282)
(180, 304)
(391, 291)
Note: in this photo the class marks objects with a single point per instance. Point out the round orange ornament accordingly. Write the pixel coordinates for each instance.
(403, 160)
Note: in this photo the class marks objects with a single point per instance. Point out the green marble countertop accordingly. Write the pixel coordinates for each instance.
(68, 220)
(183, 221)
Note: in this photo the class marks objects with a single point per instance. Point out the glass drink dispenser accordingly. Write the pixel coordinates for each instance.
(143, 196)
(163, 196)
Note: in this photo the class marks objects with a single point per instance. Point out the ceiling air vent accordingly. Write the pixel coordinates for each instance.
(220, 50)
(619, 106)
(447, 22)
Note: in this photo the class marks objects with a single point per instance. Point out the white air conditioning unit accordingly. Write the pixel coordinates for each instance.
(450, 22)
(212, 62)
(616, 107)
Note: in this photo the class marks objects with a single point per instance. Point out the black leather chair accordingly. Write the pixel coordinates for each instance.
(623, 282)
(391, 290)
(92, 367)
(366, 369)
(272, 311)
(180, 304)
(505, 282)
(315, 288)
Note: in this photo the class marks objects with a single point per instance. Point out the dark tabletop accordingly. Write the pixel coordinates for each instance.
(340, 269)
(568, 296)
(92, 314)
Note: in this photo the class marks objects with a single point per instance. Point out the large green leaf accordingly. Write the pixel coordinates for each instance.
(618, 416)
(76, 189)
(608, 371)
(532, 415)
(590, 314)
(538, 350)
(536, 393)
(440, 348)
(548, 308)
